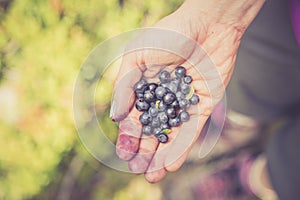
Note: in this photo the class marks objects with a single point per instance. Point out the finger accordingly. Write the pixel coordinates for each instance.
(123, 97)
(155, 176)
(156, 170)
(141, 161)
(129, 136)
(184, 140)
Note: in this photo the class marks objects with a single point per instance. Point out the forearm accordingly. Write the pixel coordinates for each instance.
(239, 13)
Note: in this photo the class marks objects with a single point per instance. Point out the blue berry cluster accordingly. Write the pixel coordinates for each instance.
(164, 105)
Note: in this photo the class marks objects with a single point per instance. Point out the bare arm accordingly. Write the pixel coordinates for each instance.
(217, 26)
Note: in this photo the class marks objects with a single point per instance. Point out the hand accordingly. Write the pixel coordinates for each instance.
(220, 41)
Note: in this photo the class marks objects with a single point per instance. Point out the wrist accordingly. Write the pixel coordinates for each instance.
(238, 13)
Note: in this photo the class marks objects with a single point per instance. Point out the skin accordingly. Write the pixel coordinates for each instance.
(217, 26)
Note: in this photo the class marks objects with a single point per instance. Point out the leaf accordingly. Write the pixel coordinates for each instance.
(166, 131)
(156, 104)
(190, 94)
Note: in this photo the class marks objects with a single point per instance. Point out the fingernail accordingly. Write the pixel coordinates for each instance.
(112, 110)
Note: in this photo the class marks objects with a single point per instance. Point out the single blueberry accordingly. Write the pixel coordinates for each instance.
(149, 96)
(194, 99)
(140, 84)
(160, 92)
(152, 86)
(139, 94)
(187, 79)
(153, 104)
(169, 98)
(162, 137)
(184, 116)
(180, 71)
(173, 87)
(171, 112)
(180, 95)
(141, 105)
(176, 80)
(162, 106)
(184, 104)
(185, 88)
(164, 76)
(175, 104)
(147, 130)
(153, 111)
(164, 126)
(157, 130)
(174, 122)
(163, 118)
(155, 122)
(145, 118)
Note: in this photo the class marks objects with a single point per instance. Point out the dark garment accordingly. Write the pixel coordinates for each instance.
(266, 79)
(284, 160)
(266, 86)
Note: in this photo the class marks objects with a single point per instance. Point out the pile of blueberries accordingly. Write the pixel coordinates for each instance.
(164, 105)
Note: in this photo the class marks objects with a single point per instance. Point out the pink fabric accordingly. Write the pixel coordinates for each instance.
(295, 17)
(245, 173)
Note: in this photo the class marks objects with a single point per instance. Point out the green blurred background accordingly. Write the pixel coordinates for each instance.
(42, 45)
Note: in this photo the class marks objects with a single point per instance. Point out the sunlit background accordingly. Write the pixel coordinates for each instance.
(42, 45)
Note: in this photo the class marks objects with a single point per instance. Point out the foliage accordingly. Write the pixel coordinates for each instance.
(42, 45)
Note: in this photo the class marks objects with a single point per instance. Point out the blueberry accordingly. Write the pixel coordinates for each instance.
(163, 118)
(173, 87)
(141, 105)
(149, 96)
(153, 104)
(164, 126)
(139, 85)
(176, 80)
(147, 130)
(139, 94)
(160, 103)
(180, 71)
(175, 104)
(162, 106)
(157, 130)
(185, 88)
(184, 104)
(155, 122)
(164, 76)
(184, 116)
(160, 92)
(162, 137)
(153, 111)
(187, 79)
(174, 122)
(169, 98)
(152, 86)
(145, 118)
(180, 95)
(194, 99)
(171, 112)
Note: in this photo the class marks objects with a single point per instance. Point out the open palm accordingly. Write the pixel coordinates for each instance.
(207, 51)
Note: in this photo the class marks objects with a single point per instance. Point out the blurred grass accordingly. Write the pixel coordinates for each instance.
(42, 45)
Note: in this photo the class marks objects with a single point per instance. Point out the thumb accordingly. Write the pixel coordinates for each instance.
(123, 97)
